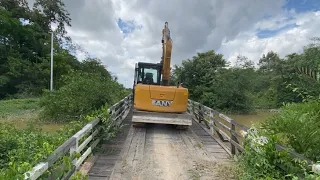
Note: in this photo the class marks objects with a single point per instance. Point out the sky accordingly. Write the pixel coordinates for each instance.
(123, 32)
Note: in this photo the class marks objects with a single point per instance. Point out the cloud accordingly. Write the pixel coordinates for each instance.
(123, 32)
(285, 42)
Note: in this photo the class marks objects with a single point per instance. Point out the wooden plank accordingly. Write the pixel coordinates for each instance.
(214, 146)
(116, 173)
(37, 171)
(99, 177)
(83, 157)
(140, 147)
(240, 125)
(216, 139)
(195, 146)
(224, 117)
(61, 150)
(85, 168)
(86, 129)
(133, 147)
(215, 150)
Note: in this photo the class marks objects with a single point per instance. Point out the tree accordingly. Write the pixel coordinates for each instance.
(211, 82)
(25, 48)
(47, 12)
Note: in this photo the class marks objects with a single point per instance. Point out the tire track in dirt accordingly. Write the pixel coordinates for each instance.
(161, 152)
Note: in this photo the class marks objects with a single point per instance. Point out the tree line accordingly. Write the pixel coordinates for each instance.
(25, 44)
(245, 86)
(212, 80)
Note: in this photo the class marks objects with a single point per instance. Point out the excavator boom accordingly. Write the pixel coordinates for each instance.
(166, 55)
(154, 100)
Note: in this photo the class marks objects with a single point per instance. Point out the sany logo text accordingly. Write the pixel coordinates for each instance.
(161, 103)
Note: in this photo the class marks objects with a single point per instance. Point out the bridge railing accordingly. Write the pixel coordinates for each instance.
(219, 126)
(229, 132)
(82, 143)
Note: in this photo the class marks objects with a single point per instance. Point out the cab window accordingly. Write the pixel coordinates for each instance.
(148, 75)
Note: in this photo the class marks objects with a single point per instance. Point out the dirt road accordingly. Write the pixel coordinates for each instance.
(158, 152)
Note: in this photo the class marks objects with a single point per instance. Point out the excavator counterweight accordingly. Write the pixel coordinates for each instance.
(154, 100)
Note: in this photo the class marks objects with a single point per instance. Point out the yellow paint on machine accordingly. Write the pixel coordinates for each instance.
(161, 98)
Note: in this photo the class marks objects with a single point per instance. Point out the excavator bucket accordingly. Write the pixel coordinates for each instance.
(161, 118)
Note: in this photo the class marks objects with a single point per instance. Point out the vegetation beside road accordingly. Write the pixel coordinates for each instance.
(290, 84)
(35, 121)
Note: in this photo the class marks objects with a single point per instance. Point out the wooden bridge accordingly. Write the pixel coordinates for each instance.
(155, 151)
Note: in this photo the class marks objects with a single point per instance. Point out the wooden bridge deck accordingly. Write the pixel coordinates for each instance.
(112, 161)
(109, 153)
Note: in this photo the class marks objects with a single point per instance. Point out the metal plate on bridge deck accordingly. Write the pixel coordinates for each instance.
(161, 118)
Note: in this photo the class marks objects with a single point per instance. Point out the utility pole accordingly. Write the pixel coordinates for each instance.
(51, 73)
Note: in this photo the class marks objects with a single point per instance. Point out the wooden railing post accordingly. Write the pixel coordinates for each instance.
(233, 148)
(73, 149)
(200, 113)
(211, 122)
(125, 107)
(193, 114)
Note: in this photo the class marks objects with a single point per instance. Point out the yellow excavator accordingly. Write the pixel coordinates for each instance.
(155, 101)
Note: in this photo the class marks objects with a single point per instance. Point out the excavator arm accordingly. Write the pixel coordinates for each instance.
(166, 55)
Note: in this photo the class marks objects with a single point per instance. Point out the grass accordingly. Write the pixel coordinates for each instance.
(20, 112)
(17, 106)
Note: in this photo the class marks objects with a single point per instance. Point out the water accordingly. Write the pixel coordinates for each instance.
(252, 119)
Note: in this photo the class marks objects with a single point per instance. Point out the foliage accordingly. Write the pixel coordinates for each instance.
(82, 93)
(25, 148)
(257, 159)
(211, 83)
(297, 126)
(25, 47)
(261, 160)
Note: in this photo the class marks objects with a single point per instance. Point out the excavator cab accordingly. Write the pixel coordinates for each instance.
(148, 73)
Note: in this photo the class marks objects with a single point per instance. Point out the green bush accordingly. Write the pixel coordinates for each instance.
(21, 149)
(261, 160)
(82, 93)
(297, 126)
(257, 159)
